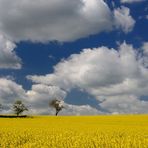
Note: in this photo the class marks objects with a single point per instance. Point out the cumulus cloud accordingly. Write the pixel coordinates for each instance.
(102, 72)
(145, 54)
(79, 110)
(93, 67)
(131, 1)
(117, 78)
(53, 20)
(145, 48)
(48, 20)
(39, 96)
(9, 92)
(8, 57)
(37, 99)
(125, 104)
(123, 19)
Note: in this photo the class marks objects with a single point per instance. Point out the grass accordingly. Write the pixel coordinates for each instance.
(108, 131)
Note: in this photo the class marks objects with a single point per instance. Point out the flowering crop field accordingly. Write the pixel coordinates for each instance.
(110, 131)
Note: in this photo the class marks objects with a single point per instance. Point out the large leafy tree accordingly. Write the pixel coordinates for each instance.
(19, 107)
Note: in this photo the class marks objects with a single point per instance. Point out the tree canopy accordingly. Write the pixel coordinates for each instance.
(19, 107)
(57, 104)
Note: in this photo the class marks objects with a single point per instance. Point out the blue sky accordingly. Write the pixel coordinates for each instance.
(70, 52)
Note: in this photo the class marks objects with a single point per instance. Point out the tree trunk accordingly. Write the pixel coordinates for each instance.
(57, 113)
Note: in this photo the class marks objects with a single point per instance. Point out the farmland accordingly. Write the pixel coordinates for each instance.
(110, 131)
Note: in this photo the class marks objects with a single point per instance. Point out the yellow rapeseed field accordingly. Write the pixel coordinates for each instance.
(114, 131)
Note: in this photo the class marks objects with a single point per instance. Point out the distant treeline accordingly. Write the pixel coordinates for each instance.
(13, 116)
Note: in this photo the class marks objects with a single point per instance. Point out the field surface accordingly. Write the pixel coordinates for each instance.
(116, 131)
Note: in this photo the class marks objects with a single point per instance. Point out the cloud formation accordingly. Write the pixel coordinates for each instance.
(40, 95)
(10, 92)
(107, 74)
(79, 110)
(37, 99)
(145, 54)
(8, 57)
(52, 20)
(48, 20)
(125, 104)
(131, 1)
(117, 78)
(123, 19)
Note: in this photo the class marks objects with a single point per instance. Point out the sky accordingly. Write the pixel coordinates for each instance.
(90, 54)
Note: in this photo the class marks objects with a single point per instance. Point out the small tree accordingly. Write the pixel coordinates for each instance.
(19, 107)
(57, 104)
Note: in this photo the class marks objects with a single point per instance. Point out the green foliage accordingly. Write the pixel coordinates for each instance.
(19, 107)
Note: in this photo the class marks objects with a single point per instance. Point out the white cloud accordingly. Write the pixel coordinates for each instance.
(61, 20)
(145, 48)
(94, 67)
(131, 1)
(37, 99)
(102, 72)
(43, 92)
(9, 92)
(53, 20)
(39, 96)
(79, 110)
(47, 20)
(145, 54)
(125, 104)
(8, 58)
(116, 77)
(123, 19)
